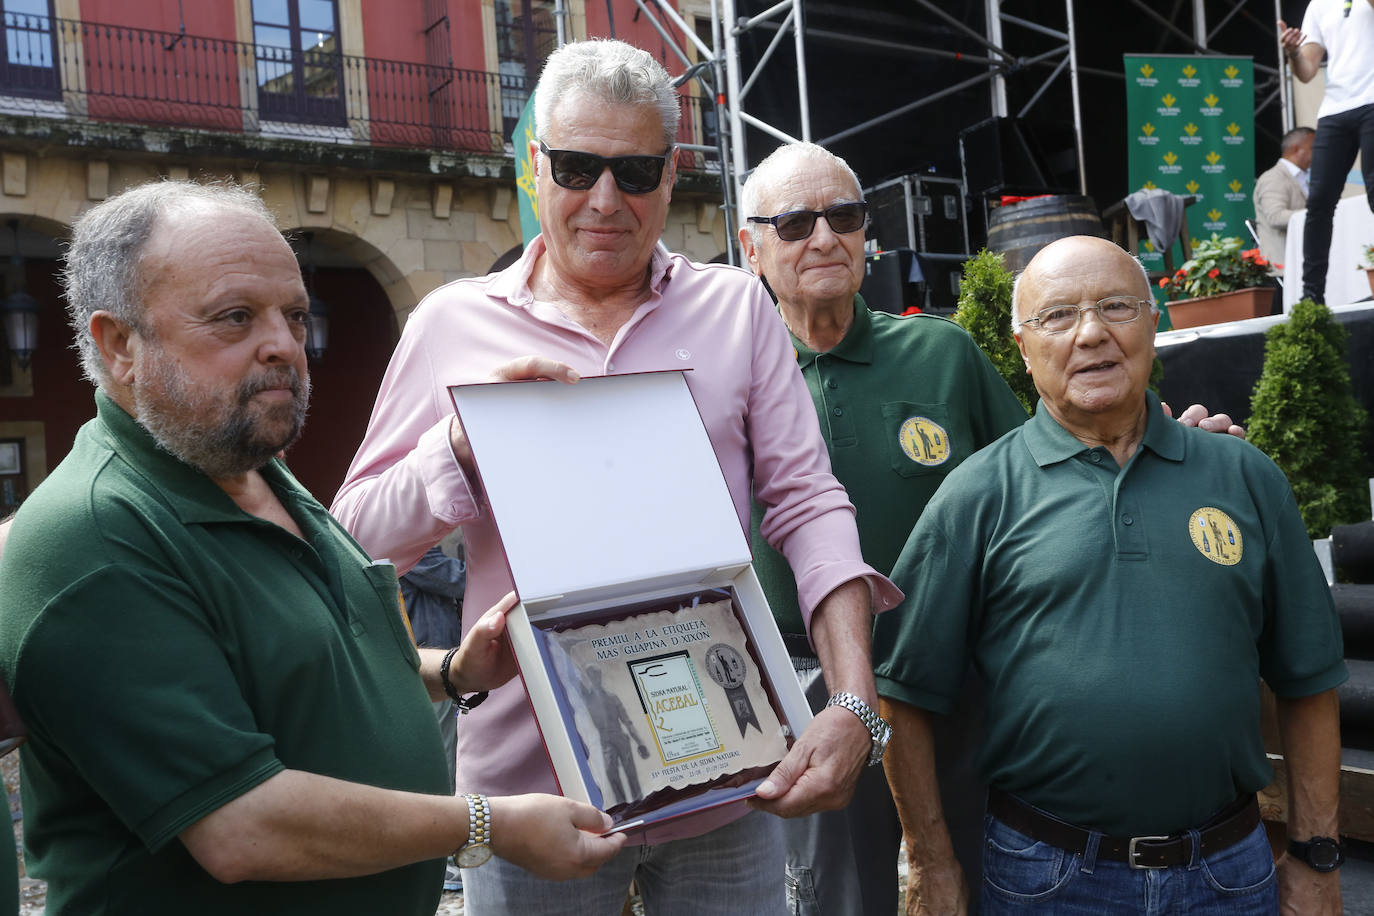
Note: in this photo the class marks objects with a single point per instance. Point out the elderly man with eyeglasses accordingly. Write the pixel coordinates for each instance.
(901, 402)
(1122, 583)
(597, 294)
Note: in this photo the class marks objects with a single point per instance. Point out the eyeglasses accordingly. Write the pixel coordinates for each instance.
(799, 224)
(579, 171)
(1113, 310)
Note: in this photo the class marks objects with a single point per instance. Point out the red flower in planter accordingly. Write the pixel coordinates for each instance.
(1218, 265)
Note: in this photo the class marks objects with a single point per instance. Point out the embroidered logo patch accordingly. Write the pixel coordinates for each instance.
(924, 441)
(1216, 536)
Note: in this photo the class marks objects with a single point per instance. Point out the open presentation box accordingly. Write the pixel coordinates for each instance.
(654, 669)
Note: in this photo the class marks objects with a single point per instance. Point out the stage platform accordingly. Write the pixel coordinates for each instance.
(1218, 365)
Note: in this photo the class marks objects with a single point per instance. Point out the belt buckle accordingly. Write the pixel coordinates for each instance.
(1131, 851)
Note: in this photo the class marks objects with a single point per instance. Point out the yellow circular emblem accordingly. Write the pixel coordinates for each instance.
(1216, 536)
(924, 441)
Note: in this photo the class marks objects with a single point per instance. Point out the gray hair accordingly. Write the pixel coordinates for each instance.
(610, 71)
(102, 265)
(781, 162)
(1291, 140)
(1016, 292)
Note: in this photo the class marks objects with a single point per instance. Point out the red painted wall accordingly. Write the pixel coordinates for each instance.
(394, 31)
(469, 43)
(133, 75)
(414, 103)
(638, 33)
(214, 20)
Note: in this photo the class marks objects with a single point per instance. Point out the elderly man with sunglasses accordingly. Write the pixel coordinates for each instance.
(901, 402)
(1122, 583)
(596, 293)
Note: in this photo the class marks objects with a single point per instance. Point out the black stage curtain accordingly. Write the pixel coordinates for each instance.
(1220, 372)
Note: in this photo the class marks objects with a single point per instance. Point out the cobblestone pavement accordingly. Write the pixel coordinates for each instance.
(33, 893)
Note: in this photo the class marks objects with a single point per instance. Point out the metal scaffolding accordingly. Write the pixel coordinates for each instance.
(728, 82)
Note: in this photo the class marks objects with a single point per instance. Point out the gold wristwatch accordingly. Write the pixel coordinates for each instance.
(477, 850)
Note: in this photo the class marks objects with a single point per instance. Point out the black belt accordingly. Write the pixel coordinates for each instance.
(1228, 827)
(798, 646)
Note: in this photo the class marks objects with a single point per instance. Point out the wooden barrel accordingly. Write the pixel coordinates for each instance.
(1020, 230)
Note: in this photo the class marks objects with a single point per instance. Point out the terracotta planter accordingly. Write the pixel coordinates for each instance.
(1254, 302)
(1369, 273)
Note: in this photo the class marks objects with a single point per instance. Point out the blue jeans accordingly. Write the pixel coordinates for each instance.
(734, 869)
(1021, 875)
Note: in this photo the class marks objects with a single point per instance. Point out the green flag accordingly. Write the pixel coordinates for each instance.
(1190, 130)
(524, 173)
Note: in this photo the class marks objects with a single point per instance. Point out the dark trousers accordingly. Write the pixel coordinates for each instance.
(1339, 138)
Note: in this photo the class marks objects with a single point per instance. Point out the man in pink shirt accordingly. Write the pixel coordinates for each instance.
(597, 294)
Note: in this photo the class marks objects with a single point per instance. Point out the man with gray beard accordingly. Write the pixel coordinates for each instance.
(226, 711)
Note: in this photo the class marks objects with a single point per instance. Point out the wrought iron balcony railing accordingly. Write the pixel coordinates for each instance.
(78, 69)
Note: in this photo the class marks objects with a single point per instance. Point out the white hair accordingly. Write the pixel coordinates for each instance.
(1016, 291)
(779, 163)
(610, 71)
(102, 265)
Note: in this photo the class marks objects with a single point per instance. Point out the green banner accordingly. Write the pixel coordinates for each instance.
(521, 139)
(1190, 130)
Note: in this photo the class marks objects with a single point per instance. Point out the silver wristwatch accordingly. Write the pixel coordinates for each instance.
(878, 727)
(477, 850)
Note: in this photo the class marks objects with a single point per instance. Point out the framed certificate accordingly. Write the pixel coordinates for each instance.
(652, 664)
(666, 700)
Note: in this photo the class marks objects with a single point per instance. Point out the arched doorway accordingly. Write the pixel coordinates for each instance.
(43, 406)
(362, 333)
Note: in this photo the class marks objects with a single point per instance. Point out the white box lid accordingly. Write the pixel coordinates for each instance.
(600, 485)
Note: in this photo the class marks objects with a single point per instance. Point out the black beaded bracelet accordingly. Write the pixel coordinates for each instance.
(449, 689)
(465, 703)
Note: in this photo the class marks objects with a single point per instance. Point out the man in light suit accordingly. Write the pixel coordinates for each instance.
(1281, 191)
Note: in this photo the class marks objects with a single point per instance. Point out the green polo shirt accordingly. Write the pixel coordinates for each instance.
(902, 401)
(1121, 619)
(9, 882)
(170, 652)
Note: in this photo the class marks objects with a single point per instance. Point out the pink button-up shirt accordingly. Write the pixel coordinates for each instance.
(405, 491)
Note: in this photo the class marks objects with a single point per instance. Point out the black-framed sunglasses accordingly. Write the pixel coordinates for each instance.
(579, 171)
(796, 225)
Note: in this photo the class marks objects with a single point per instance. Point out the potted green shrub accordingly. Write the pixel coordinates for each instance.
(1304, 415)
(985, 312)
(1223, 281)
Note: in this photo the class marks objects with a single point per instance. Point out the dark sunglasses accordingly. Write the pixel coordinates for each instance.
(799, 224)
(578, 171)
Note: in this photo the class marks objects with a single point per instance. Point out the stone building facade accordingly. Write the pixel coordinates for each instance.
(377, 223)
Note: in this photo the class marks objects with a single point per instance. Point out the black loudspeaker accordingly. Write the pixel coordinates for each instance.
(943, 273)
(888, 217)
(1000, 157)
(886, 286)
(894, 281)
(921, 212)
